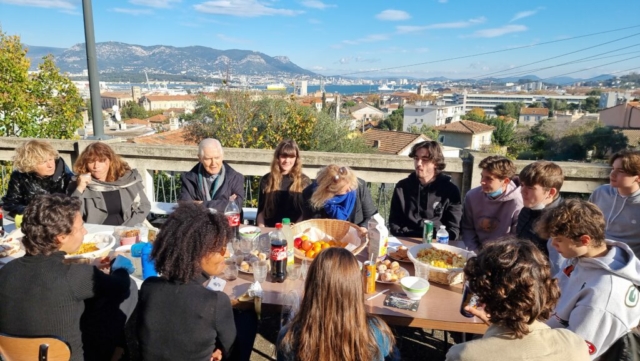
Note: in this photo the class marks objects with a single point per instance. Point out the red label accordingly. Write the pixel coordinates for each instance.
(278, 253)
(592, 348)
(234, 219)
(568, 270)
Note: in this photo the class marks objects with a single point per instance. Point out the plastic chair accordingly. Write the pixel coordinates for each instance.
(48, 348)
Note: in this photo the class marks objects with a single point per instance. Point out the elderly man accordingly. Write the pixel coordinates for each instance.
(212, 181)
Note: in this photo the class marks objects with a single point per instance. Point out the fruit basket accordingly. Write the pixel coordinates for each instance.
(334, 230)
(449, 275)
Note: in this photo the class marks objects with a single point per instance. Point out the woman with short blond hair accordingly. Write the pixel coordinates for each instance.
(38, 169)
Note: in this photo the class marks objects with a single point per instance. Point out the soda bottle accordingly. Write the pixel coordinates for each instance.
(232, 212)
(288, 235)
(442, 236)
(278, 254)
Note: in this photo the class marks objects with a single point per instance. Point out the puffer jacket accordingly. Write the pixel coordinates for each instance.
(23, 187)
(526, 224)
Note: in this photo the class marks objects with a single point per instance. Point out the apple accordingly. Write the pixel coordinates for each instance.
(297, 242)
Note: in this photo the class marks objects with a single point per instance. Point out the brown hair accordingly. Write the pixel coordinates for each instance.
(512, 278)
(100, 151)
(573, 218)
(499, 166)
(32, 153)
(332, 323)
(46, 217)
(630, 160)
(331, 179)
(435, 153)
(286, 148)
(543, 173)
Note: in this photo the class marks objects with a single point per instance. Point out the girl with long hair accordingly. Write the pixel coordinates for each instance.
(333, 293)
(281, 189)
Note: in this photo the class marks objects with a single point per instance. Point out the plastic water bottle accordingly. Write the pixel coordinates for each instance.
(442, 236)
(288, 235)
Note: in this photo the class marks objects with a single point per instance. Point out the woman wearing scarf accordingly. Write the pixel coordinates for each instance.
(338, 194)
(111, 192)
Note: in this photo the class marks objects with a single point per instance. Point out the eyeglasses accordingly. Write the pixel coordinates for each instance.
(342, 171)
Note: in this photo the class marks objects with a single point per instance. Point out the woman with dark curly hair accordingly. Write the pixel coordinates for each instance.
(111, 192)
(512, 280)
(180, 318)
(41, 295)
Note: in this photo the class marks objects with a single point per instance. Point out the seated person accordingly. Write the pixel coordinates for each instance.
(43, 296)
(338, 194)
(491, 210)
(599, 282)
(280, 194)
(38, 169)
(511, 279)
(179, 317)
(212, 182)
(312, 335)
(111, 192)
(620, 199)
(426, 194)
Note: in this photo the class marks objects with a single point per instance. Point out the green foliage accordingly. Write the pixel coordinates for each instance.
(535, 105)
(133, 110)
(427, 131)
(504, 134)
(349, 104)
(591, 104)
(475, 114)
(511, 109)
(394, 121)
(44, 105)
(595, 92)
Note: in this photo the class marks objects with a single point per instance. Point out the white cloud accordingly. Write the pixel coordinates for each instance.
(393, 15)
(134, 12)
(155, 3)
(230, 39)
(50, 4)
(525, 14)
(316, 4)
(243, 8)
(403, 29)
(495, 32)
(367, 39)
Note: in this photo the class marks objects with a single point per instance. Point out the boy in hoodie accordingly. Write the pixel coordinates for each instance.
(491, 210)
(620, 199)
(600, 279)
(425, 194)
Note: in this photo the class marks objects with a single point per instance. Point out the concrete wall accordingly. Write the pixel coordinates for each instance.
(457, 140)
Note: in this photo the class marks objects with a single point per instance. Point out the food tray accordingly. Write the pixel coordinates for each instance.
(445, 276)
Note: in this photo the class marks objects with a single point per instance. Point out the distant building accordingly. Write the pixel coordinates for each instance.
(465, 134)
(487, 102)
(611, 99)
(366, 112)
(624, 116)
(390, 142)
(425, 113)
(532, 116)
(109, 99)
(302, 88)
(161, 102)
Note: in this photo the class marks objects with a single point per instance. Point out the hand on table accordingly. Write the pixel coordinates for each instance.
(479, 313)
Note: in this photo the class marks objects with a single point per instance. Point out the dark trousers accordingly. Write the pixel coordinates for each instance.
(246, 330)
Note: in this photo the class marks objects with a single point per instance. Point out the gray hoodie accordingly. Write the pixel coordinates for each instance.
(599, 297)
(622, 215)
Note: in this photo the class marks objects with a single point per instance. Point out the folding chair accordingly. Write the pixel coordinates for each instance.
(47, 348)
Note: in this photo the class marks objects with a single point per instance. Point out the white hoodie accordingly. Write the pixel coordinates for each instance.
(622, 215)
(599, 297)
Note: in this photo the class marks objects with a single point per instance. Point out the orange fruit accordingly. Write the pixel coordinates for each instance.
(332, 243)
(311, 254)
(317, 247)
(304, 237)
(306, 245)
(325, 245)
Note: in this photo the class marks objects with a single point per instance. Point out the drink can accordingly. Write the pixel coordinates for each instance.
(369, 277)
(427, 231)
(468, 299)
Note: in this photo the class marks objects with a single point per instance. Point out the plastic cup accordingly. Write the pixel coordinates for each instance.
(422, 271)
(231, 270)
(304, 268)
(260, 269)
(293, 272)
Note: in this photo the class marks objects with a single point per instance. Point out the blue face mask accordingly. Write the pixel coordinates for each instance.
(495, 194)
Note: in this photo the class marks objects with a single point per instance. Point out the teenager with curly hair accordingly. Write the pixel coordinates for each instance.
(512, 280)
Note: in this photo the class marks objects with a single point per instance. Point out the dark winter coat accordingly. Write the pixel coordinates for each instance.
(23, 187)
(526, 223)
(233, 184)
(362, 211)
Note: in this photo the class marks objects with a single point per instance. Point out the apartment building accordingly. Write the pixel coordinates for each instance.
(487, 102)
(427, 113)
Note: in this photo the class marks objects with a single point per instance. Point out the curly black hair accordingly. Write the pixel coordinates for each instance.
(190, 233)
(48, 216)
(512, 278)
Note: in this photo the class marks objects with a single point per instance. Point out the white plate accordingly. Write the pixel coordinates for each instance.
(394, 249)
(103, 240)
(407, 274)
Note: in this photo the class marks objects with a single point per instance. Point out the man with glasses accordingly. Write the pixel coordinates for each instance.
(426, 194)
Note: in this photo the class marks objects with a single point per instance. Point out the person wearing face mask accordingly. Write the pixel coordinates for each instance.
(491, 210)
(620, 199)
(281, 190)
(426, 194)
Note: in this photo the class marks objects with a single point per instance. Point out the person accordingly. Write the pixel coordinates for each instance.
(44, 296)
(620, 199)
(599, 282)
(111, 192)
(491, 210)
(333, 294)
(426, 194)
(179, 317)
(338, 194)
(512, 281)
(38, 169)
(212, 181)
(280, 194)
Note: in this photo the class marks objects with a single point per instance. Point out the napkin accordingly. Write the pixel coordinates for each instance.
(255, 290)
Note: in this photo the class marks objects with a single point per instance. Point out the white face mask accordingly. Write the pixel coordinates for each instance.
(539, 206)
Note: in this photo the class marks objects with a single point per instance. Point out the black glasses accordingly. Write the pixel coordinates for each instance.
(342, 171)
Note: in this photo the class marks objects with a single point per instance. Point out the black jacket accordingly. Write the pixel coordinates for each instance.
(23, 187)
(284, 200)
(527, 221)
(233, 184)
(438, 201)
(363, 209)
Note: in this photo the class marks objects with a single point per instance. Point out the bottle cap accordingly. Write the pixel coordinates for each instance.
(278, 225)
(286, 221)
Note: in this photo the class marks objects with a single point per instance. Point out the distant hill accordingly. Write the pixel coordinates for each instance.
(116, 57)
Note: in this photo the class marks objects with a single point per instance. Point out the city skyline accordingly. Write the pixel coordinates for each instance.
(359, 39)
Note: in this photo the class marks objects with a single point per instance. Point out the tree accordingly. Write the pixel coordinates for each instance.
(595, 92)
(395, 121)
(535, 105)
(591, 105)
(605, 139)
(44, 105)
(133, 110)
(511, 109)
(427, 131)
(475, 114)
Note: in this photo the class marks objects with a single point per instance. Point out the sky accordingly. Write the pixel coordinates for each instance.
(362, 38)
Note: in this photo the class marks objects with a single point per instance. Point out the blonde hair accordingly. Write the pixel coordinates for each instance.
(331, 179)
(32, 153)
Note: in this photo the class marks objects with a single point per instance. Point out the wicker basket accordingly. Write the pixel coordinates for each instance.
(337, 229)
(445, 276)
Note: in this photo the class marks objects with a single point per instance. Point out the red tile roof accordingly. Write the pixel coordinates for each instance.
(172, 137)
(465, 127)
(136, 121)
(157, 98)
(158, 118)
(534, 111)
(389, 141)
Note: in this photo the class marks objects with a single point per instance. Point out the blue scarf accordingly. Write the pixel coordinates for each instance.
(340, 207)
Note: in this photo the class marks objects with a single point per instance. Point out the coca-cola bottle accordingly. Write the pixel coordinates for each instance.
(278, 255)
(232, 212)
